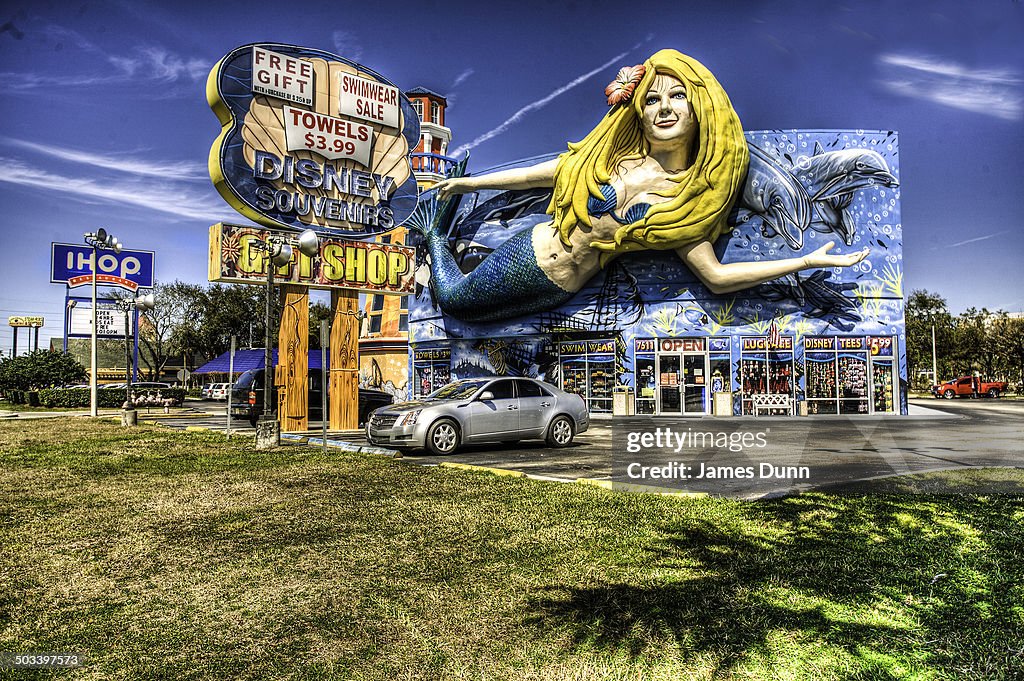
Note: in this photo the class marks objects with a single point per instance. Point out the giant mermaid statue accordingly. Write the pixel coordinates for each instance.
(660, 171)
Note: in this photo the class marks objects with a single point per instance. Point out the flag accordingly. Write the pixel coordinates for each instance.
(774, 335)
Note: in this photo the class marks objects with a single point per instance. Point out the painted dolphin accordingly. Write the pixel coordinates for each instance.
(828, 174)
(832, 178)
(773, 194)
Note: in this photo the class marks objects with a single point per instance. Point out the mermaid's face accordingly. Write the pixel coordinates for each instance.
(666, 113)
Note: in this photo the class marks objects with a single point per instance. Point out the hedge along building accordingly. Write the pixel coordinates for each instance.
(647, 326)
(682, 258)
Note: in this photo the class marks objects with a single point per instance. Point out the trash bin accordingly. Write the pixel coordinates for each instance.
(801, 408)
(622, 401)
(721, 404)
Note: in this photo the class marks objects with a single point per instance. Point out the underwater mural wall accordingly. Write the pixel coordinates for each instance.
(647, 327)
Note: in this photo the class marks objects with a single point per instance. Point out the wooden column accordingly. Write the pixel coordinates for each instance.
(292, 374)
(344, 393)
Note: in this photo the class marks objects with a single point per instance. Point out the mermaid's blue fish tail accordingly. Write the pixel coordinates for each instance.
(508, 283)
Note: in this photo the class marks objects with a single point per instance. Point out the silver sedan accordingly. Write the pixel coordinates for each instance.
(481, 410)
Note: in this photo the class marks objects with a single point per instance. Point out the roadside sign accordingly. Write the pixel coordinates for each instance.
(109, 323)
(71, 264)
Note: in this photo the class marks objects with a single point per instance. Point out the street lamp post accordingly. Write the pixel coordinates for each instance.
(129, 417)
(278, 248)
(100, 241)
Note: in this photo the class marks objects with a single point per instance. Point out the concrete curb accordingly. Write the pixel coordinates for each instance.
(612, 486)
(342, 445)
(500, 472)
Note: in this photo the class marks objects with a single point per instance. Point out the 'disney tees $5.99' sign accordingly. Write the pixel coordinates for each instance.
(311, 140)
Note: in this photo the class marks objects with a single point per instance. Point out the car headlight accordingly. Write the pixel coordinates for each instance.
(410, 418)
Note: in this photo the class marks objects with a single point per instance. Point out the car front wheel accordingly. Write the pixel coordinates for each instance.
(949, 394)
(560, 432)
(443, 437)
(993, 393)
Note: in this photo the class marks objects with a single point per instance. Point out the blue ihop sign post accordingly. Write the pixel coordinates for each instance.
(71, 265)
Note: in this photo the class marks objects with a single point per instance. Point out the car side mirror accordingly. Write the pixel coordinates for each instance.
(486, 396)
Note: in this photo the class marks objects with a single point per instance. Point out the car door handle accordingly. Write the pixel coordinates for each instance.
(545, 404)
(512, 407)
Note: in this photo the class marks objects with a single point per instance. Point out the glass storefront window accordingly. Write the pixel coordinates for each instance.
(839, 378)
(587, 368)
(646, 383)
(765, 368)
(881, 349)
(431, 370)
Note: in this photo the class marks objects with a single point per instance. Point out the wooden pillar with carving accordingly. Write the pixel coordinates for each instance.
(344, 393)
(292, 374)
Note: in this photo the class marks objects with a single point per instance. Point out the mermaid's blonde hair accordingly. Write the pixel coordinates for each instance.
(698, 203)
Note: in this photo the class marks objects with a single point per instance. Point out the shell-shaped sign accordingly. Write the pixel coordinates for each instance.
(311, 140)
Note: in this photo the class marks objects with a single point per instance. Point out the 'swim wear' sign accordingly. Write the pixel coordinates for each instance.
(310, 139)
(362, 265)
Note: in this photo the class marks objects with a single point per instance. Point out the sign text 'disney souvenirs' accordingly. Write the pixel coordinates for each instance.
(311, 139)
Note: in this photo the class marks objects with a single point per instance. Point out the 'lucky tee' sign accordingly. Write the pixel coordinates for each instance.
(311, 139)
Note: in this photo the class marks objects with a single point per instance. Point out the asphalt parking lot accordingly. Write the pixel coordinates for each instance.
(810, 453)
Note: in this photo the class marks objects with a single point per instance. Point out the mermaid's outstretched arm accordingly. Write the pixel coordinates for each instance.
(726, 278)
(530, 177)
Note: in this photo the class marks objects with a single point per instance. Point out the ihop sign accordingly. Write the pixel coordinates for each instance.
(71, 264)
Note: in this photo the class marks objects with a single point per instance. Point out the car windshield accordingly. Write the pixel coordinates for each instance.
(459, 390)
(245, 380)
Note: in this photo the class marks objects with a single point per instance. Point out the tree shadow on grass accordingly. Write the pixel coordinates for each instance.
(879, 584)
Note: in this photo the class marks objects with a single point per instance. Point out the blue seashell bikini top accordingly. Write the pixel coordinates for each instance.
(597, 208)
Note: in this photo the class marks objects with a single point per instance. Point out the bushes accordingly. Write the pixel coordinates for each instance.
(108, 398)
(39, 368)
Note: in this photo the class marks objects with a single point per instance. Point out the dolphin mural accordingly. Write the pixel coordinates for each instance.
(831, 179)
(776, 197)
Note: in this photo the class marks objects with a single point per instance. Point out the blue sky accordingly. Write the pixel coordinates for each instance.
(105, 121)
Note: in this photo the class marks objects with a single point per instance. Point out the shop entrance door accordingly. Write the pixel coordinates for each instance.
(682, 383)
(695, 371)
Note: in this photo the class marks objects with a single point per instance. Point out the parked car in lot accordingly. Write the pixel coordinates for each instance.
(247, 397)
(481, 410)
(220, 391)
(963, 387)
(137, 385)
(206, 392)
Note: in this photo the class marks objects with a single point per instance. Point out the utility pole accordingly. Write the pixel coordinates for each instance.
(935, 363)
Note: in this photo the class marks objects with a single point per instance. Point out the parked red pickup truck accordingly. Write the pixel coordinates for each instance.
(962, 387)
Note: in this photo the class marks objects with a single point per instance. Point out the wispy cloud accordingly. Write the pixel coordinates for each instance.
(149, 63)
(541, 103)
(459, 79)
(978, 238)
(169, 170)
(993, 92)
(164, 197)
(346, 44)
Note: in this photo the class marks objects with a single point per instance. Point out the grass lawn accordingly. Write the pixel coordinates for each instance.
(162, 554)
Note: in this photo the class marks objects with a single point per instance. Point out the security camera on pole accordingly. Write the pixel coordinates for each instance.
(100, 241)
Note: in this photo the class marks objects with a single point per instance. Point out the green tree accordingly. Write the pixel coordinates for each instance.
(168, 329)
(924, 311)
(39, 369)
